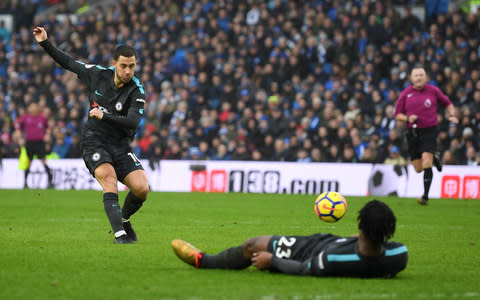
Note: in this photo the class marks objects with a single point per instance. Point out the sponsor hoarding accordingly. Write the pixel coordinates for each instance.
(261, 177)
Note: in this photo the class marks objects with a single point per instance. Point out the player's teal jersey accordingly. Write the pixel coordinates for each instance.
(330, 255)
(123, 107)
(104, 95)
(342, 258)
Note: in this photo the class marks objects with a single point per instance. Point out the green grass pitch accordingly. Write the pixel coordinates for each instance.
(58, 245)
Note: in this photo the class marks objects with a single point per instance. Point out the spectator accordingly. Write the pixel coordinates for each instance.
(349, 154)
(316, 155)
(368, 156)
(278, 123)
(471, 157)
(284, 53)
(333, 154)
(195, 154)
(395, 158)
(222, 153)
(241, 152)
(61, 147)
(303, 156)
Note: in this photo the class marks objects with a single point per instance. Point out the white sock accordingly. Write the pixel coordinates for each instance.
(120, 233)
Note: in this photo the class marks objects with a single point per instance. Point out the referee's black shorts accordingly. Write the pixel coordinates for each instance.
(35, 148)
(421, 140)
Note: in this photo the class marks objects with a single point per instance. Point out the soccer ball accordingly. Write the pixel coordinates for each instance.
(330, 206)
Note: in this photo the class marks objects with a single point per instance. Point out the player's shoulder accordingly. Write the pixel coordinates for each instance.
(395, 248)
(349, 239)
(93, 67)
(138, 84)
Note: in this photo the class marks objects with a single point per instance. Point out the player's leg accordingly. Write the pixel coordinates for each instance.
(137, 182)
(256, 244)
(236, 258)
(99, 162)
(130, 172)
(106, 176)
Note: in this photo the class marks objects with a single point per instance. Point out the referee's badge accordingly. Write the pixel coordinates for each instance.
(428, 103)
(118, 106)
(96, 156)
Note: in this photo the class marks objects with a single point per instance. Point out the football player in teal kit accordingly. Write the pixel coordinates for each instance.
(117, 101)
(368, 254)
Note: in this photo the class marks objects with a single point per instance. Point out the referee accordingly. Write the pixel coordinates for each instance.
(417, 106)
(34, 125)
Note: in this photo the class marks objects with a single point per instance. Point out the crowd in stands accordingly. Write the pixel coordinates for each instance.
(274, 80)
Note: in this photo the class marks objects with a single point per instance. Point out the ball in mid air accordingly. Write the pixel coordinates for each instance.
(330, 206)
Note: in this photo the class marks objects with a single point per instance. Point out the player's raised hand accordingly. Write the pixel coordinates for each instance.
(40, 34)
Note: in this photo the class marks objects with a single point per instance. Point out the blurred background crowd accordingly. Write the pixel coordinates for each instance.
(273, 80)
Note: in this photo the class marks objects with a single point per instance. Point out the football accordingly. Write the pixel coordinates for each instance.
(330, 206)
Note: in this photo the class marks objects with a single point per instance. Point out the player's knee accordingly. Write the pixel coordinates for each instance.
(109, 178)
(248, 247)
(142, 191)
(105, 178)
(251, 246)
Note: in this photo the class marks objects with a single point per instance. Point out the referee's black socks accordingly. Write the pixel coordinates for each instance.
(427, 181)
(49, 173)
(114, 213)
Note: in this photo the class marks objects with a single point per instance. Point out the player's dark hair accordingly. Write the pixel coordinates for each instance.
(377, 221)
(123, 50)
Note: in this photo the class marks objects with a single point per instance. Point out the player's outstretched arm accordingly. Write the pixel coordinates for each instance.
(264, 260)
(59, 56)
(129, 121)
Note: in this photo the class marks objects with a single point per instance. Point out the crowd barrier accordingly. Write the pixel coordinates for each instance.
(261, 177)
